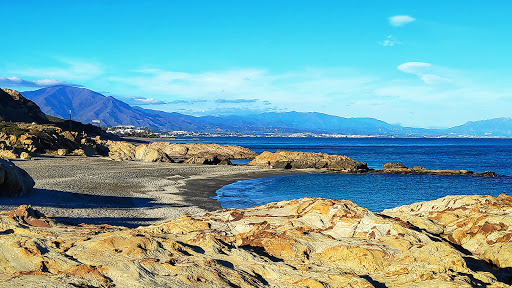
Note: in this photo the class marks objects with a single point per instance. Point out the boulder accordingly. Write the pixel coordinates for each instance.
(14, 181)
(8, 154)
(121, 150)
(192, 153)
(150, 153)
(301, 160)
(62, 152)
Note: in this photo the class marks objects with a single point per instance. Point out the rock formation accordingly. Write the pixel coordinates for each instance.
(16, 108)
(192, 153)
(13, 180)
(301, 160)
(400, 168)
(298, 243)
(480, 224)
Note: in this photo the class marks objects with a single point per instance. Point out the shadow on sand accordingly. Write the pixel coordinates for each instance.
(69, 200)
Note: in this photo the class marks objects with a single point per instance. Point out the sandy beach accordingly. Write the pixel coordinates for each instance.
(96, 190)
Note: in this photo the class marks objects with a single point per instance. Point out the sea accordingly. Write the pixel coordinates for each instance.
(376, 192)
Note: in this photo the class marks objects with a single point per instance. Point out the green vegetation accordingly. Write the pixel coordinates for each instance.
(11, 128)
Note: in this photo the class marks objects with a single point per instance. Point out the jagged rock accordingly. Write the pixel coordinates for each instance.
(196, 153)
(300, 160)
(298, 243)
(480, 224)
(14, 181)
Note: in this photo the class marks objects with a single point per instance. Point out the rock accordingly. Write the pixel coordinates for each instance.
(121, 150)
(300, 160)
(62, 152)
(147, 153)
(192, 153)
(78, 152)
(14, 181)
(480, 224)
(393, 165)
(25, 156)
(298, 243)
(8, 154)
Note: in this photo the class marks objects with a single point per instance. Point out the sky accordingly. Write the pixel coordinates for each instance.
(429, 64)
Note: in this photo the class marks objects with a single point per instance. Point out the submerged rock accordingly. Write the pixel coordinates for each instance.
(301, 160)
(298, 243)
(14, 181)
(400, 168)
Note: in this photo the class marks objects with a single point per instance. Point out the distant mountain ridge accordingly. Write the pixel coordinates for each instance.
(87, 105)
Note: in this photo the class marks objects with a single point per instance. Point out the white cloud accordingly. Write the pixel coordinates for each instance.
(400, 20)
(413, 67)
(18, 82)
(433, 79)
(424, 71)
(389, 41)
(70, 70)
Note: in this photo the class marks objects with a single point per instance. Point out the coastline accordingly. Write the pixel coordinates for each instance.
(95, 190)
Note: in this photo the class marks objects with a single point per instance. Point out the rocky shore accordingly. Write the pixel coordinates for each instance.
(308, 242)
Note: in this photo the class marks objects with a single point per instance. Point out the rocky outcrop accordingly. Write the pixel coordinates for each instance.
(16, 108)
(300, 160)
(400, 168)
(480, 224)
(120, 150)
(193, 153)
(299, 243)
(13, 180)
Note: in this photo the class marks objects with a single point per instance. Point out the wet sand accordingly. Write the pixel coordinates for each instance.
(96, 190)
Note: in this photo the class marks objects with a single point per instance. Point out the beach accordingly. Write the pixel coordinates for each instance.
(96, 190)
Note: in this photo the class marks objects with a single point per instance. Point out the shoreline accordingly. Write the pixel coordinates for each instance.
(95, 190)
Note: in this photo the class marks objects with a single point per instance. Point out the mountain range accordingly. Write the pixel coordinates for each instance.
(86, 105)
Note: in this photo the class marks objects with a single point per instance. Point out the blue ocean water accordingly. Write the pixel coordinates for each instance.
(372, 191)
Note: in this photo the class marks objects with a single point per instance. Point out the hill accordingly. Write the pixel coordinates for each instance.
(16, 108)
(497, 127)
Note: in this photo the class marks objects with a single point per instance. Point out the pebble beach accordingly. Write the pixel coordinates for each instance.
(96, 190)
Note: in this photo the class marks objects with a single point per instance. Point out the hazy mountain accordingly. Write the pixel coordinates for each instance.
(498, 127)
(87, 105)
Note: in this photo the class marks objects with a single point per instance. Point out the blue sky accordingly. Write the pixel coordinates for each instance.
(415, 63)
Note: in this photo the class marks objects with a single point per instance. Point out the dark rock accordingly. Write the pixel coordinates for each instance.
(14, 181)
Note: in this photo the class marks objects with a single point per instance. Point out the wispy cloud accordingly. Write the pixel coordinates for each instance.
(145, 101)
(236, 101)
(400, 20)
(424, 71)
(69, 70)
(389, 42)
(18, 82)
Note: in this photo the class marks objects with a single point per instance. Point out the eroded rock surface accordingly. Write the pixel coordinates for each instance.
(298, 243)
(301, 160)
(192, 153)
(480, 224)
(14, 181)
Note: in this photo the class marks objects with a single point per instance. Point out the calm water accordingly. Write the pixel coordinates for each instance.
(377, 192)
